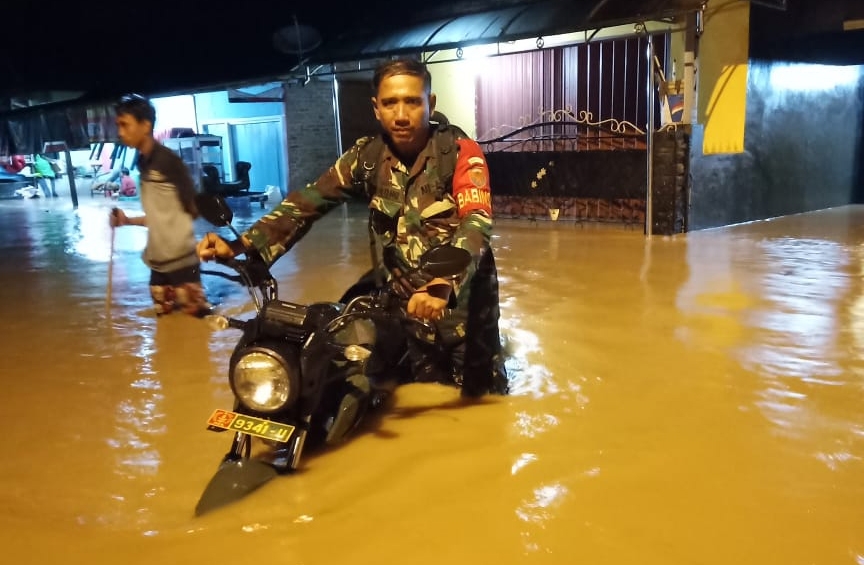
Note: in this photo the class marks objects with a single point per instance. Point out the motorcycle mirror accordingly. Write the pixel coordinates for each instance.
(445, 261)
(214, 209)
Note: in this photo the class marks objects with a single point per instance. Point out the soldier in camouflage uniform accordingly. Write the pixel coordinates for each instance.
(416, 204)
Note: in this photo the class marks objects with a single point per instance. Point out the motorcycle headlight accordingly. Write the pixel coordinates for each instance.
(264, 380)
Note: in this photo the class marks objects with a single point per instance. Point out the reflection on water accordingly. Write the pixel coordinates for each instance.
(523, 350)
(531, 426)
(538, 511)
(522, 460)
(667, 394)
(535, 509)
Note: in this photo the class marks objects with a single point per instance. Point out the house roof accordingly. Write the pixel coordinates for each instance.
(500, 23)
(163, 47)
(166, 47)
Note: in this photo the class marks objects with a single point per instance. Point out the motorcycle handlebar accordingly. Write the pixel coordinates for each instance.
(383, 312)
(251, 272)
(233, 278)
(254, 274)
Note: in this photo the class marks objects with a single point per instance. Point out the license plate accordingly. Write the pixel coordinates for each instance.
(259, 427)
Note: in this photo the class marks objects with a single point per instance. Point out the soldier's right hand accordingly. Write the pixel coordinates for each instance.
(212, 247)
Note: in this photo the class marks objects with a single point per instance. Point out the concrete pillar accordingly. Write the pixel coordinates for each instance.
(722, 67)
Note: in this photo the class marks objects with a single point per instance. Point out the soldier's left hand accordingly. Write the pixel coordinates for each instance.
(429, 301)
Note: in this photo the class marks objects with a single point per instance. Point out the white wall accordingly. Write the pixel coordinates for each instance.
(454, 84)
(174, 112)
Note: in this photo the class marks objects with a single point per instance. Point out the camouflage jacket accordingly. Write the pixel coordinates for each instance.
(410, 209)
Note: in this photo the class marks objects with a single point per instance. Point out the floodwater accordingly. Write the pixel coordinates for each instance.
(695, 399)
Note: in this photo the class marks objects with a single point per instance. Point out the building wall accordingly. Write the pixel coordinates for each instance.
(355, 111)
(251, 131)
(312, 142)
(804, 114)
(174, 112)
(454, 84)
(802, 149)
(215, 106)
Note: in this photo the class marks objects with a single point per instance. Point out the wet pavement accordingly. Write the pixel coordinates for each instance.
(694, 399)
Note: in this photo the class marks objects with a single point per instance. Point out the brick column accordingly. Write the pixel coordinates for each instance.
(671, 182)
(311, 131)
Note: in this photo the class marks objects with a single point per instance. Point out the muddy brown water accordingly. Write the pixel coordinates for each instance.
(693, 399)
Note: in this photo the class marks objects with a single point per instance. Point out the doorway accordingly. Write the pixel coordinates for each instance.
(259, 141)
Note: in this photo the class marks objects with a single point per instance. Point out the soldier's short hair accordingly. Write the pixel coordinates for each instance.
(404, 66)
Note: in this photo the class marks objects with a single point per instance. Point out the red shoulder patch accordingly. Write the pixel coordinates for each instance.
(471, 179)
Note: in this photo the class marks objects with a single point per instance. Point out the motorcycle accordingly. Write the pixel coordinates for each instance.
(304, 375)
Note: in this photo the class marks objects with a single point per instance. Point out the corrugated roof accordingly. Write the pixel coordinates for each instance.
(240, 48)
(534, 19)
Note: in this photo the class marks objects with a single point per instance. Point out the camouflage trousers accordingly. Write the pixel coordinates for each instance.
(179, 290)
(472, 356)
(468, 351)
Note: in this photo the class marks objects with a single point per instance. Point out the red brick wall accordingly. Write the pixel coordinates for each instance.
(613, 210)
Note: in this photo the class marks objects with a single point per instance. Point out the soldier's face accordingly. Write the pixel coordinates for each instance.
(403, 108)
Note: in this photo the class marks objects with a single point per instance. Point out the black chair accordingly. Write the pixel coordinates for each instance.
(214, 185)
(241, 173)
(210, 181)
